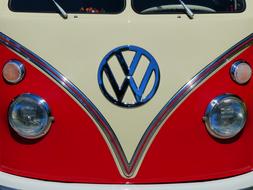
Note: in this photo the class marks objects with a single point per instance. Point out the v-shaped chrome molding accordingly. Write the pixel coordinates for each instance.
(129, 169)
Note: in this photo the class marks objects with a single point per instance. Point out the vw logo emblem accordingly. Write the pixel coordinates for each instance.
(115, 90)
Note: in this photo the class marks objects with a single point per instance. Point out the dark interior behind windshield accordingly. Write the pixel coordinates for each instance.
(197, 6)
(70, 6)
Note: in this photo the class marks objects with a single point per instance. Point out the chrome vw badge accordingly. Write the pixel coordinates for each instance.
(141, 76)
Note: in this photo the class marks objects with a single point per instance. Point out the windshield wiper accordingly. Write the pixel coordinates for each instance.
(187, 9)
(62, 11)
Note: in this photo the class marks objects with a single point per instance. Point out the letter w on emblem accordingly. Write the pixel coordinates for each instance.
(138, 91)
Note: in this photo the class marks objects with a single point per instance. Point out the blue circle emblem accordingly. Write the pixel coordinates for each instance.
(143, 91)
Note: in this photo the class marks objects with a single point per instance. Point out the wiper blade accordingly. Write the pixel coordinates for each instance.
(187, 9)
(62, 11)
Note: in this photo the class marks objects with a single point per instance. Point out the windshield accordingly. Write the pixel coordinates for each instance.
(196, 6)
(70, 6)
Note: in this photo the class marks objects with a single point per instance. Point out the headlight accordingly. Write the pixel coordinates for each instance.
(29, 116)
(225, 116)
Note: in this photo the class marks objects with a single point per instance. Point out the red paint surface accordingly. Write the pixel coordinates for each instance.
(73, 146)
(75, 151)
(184, 151)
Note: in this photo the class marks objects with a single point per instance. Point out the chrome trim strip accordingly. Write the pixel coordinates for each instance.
(128, 168)
(76, 93)
(182, 93)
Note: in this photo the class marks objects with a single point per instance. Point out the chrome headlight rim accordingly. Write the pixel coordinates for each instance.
(216, 101)
(40, 102)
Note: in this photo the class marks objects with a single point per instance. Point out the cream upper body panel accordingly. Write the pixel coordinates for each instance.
(77, 45)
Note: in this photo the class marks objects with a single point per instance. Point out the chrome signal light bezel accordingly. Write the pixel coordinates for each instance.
(236, 72)
(20, 68)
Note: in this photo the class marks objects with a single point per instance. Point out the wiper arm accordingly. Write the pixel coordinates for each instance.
(62, 11)
(187, 9)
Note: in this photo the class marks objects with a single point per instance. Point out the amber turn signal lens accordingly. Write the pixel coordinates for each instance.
(13, 72)
(241, 72)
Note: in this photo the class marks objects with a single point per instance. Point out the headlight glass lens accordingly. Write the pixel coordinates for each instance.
(225, 116)
(29, 116)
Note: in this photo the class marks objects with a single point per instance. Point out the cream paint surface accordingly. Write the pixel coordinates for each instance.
(76, 46)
